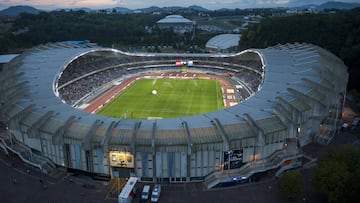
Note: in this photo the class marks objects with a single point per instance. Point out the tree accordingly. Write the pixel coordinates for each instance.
(338, 175)
(339, 34)
(291, 184)
(331, 178)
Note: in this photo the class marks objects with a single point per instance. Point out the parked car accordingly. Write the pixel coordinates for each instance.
(155, 195)
(145, 192)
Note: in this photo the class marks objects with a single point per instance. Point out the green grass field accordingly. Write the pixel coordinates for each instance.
(174, 98)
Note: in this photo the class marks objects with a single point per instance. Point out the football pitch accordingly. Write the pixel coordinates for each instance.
(173, 98)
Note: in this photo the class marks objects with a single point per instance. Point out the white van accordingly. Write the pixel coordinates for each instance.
(156, 193)
(145, 192)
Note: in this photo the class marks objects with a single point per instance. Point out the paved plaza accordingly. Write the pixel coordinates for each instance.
(21, 183)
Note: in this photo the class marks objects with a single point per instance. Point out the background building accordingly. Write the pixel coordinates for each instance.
(4, 59)
(178, 23)
(223, 43)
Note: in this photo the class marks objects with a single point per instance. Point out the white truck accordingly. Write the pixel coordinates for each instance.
(155, 195)
(128, 192)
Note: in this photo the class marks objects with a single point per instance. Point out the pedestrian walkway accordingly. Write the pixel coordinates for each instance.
(22, 183)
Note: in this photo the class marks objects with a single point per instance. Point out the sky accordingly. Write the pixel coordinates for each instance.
(134, 4)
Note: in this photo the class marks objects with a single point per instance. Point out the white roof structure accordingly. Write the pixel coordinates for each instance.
(174, 19)
(7, 58)
(223, 41)
(294, 73)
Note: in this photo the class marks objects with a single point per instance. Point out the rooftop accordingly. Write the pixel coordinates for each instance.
(174, 19)
(7, 58)
(223, 41)
(291, 72)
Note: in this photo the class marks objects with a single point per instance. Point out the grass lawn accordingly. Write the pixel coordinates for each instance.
(174, 98)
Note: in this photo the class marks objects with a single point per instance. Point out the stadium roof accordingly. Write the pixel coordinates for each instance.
(174, 19)
(293, 73)
(223, 41)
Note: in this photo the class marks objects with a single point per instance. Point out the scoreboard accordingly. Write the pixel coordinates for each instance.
(183, 63)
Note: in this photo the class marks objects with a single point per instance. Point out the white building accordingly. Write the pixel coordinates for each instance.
(223, 43)
(178, 23)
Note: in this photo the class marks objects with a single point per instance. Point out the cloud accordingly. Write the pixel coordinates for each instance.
(119, 1)
(133, 4)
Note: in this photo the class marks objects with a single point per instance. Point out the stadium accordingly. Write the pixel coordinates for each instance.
(276, 100)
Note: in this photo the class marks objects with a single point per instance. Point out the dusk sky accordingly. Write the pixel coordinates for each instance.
(133, 4)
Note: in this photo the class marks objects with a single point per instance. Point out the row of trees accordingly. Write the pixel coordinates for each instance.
(79, 25)
(337, 175)
(122, 30)
(338, 33)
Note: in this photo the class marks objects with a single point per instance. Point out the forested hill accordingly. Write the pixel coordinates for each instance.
(108, 30)
(338, 33)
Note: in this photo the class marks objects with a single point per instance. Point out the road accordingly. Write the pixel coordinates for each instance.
(32, 186)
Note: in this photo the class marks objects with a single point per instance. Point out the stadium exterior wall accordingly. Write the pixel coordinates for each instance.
(299, 101)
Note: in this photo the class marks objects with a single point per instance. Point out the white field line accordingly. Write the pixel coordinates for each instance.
(217, 95)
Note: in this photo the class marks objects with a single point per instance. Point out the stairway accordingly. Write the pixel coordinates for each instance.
(9, 143)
